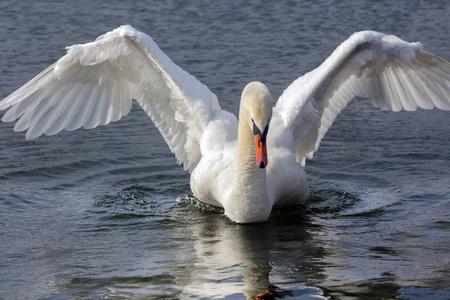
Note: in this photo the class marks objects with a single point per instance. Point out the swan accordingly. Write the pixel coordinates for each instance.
(248, 166)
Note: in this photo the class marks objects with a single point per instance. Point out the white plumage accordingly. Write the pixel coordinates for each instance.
(94, 84)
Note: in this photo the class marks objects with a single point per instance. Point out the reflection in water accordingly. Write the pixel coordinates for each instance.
(231, 259)
(241, 259)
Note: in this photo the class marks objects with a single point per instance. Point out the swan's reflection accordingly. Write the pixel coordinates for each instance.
(231, 259)
(236, 259)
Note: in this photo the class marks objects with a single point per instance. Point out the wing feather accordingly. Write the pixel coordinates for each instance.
(394, 74)
(94, 84)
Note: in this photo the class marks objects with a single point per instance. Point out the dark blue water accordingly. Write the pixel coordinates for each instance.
(103, 213)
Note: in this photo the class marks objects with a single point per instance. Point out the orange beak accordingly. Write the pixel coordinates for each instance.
(260, 151)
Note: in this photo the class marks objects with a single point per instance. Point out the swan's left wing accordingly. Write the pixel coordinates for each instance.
(94, 84)
(392, 73)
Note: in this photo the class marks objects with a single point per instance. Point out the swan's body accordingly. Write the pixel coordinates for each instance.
(94, 84)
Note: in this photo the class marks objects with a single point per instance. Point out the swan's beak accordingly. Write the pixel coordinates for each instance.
(260, 151)
(260, 145)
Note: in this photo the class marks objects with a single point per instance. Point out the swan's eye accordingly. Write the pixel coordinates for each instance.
(256, 130)
(266, 130)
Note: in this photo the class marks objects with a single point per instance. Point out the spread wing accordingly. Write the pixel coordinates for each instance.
(392, 73)
(94, 84)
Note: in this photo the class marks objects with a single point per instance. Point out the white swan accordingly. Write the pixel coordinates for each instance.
(94, 84)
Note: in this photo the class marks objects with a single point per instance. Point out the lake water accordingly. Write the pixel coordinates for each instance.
(106, 213)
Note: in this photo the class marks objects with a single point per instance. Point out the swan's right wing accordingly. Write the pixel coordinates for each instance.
(392, 73)
(94, 84)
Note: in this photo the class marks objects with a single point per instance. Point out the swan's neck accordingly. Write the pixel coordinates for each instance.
(248, 201)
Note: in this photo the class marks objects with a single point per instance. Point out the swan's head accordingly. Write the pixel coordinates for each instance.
(257, 107)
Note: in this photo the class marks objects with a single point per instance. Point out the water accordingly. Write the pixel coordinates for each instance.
(103, 214)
